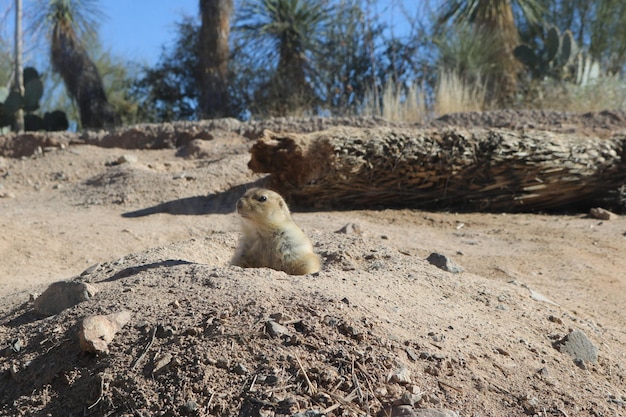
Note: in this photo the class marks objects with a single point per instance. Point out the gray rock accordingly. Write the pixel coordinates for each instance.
(61, 295)
(196, 149)
(240, 369)
(537, 296)
(445, 263)
(402, 375)
(93, 268)
(161, 362)
(411, 354)
(163, 332)
(309, 413)
(578, 346)
(531, 405)
(190, 406)
(96, 332)
(602, 214)
(275, 329)
(408, 398)
(580, 363)
(351, 229)
(14, 346)
(435, 412)
(408, 411)
(127, 159)
(403, 411)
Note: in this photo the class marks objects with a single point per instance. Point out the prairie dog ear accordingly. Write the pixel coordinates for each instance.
(283, 206)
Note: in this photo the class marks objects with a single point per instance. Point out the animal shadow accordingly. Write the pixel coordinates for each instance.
(219, 203)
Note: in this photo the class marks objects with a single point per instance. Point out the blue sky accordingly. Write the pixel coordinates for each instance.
(134, 29)
(137, 29)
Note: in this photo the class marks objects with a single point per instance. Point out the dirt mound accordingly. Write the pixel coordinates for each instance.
(534, 326)
(209, 339)
(600, 124)
(177, 134)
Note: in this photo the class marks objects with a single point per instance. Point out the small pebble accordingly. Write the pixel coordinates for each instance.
(127, 159)
(191, 406)
(444, 263)
(240, 369)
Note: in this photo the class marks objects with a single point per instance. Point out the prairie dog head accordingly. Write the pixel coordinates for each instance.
(264, 208)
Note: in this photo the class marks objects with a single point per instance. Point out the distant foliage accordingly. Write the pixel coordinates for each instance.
(336, 57)
(348, 59)
(169, 90)
(497, 19)
(6, 61)
(340, 58)
(599, 27)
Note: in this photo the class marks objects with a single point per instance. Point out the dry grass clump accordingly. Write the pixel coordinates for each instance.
(404, 104)
(398, 103)
(600, 94)
(453, 94)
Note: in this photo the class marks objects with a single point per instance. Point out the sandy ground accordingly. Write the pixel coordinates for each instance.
(65, 210)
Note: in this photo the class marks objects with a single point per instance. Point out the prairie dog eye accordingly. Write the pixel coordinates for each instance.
(262, 198)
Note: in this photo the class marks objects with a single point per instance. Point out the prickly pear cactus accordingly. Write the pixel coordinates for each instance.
(552, 44)
(33, 89)
(11, 101)
(554, 60)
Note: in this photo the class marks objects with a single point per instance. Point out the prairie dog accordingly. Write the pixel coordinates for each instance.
(270, 237)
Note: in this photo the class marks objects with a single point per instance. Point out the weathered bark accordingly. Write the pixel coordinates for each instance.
(494, 170)
(214, 53)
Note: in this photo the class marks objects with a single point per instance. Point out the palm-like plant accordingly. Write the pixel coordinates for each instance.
(495, 18)
(69, 25)
(291, 31)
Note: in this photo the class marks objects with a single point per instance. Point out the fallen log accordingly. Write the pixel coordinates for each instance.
(477, 169)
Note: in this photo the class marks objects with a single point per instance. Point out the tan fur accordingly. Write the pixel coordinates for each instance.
(270, 237)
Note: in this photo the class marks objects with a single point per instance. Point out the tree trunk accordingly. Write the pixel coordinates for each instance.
(19, 70)
(214, 54)
(478, 169)
(500, 23)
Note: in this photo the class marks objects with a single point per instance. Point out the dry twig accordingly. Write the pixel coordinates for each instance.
(145, 350)
(100, 395)
(444, 385)
(308, 381)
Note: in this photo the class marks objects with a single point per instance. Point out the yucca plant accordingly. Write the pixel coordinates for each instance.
(290, 31)
(495, 18)
(68, 24)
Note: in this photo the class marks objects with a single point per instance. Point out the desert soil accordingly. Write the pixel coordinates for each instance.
(379, 331)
